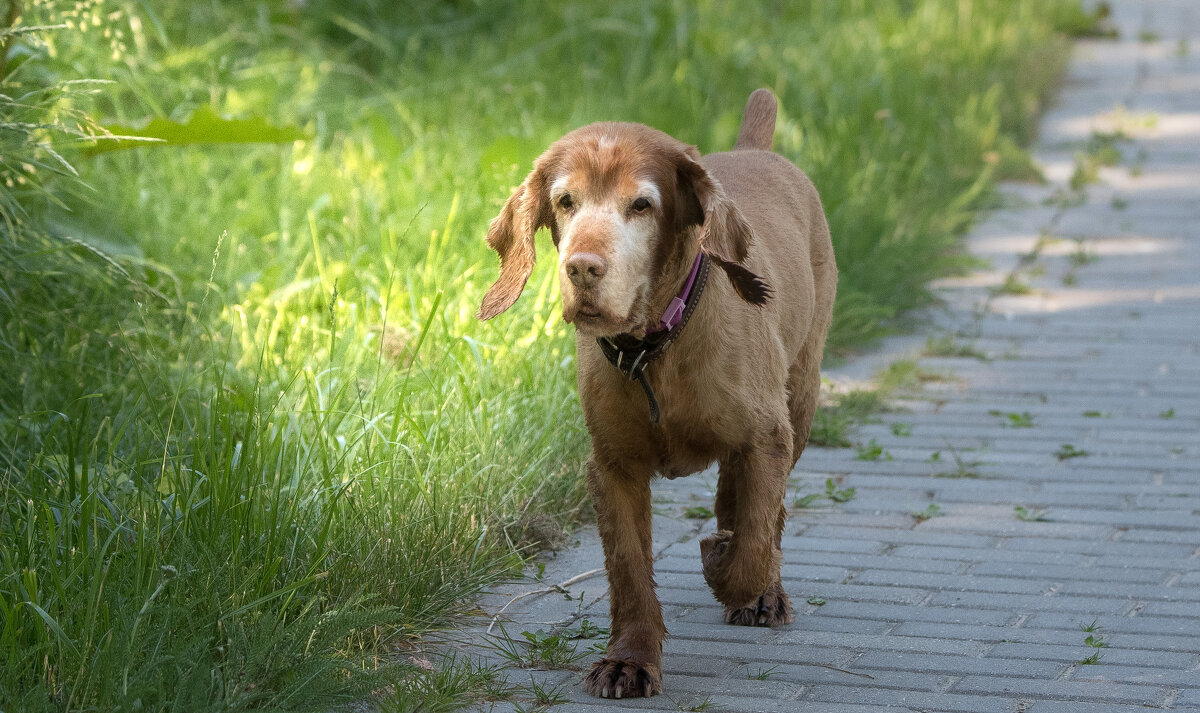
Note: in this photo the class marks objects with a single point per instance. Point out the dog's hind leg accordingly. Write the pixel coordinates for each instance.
(632, 665)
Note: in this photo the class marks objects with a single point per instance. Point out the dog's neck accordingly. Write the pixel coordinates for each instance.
(671, 281)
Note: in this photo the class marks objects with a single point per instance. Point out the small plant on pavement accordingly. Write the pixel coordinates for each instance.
(931, 511)
(1014, 419)
(1030, 514)
(871, 451)
(1069, 451)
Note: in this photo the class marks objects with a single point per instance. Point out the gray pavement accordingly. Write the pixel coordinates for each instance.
(1086, 413)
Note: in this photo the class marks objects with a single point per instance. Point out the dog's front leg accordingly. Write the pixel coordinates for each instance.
(632, 665)
(742, 566)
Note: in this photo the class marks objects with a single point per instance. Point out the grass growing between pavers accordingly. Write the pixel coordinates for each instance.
(252, 440)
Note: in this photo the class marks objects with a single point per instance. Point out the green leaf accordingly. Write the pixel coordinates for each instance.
(204, 126)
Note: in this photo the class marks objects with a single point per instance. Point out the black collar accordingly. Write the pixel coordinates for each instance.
(632, 355)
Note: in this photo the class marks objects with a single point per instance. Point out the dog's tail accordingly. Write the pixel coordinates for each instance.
(758, 121)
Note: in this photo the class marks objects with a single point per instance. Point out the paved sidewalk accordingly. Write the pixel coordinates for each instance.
(1086, 413)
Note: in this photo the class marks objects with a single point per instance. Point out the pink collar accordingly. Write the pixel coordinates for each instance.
(674, 311)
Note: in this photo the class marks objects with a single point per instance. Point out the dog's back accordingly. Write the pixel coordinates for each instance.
(792, 247)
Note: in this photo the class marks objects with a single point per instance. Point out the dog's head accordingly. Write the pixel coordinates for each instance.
(623, 202)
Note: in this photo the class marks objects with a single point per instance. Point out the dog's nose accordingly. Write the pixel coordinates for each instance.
(586, 269)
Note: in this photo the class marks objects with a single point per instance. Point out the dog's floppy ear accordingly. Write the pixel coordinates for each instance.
(511, 235)
(725, 235)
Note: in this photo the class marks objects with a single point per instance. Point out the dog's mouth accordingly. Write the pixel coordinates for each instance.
(595, 321)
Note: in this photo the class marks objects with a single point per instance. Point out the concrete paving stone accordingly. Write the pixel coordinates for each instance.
(1132, 591)
(1144, 576)
(1132, 674)
(1074, 654)
(1031, 603)
(885, 643)
(1049, 706)
(802, 559)
(1099, 691)
(964, 554)
(808, 675)
(1130, 551)
(791, 570)
(956, 665)
(897, 537)
(701, 596)
(1065, 637)
(810, 542)
(924, 612)
(806, 620)
(908, 700)
(1141, 624)
(1189, 698)
(1190, 610)
(770, 653)
(998, 585)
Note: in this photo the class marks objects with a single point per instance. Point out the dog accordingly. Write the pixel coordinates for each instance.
(640, 220)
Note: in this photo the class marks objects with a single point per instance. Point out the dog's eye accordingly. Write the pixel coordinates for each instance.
(640, 205)
(565, 202)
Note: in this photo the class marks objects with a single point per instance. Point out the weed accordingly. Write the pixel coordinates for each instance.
(1096, 414)
(931, 511)
(1069, 278)
(1014, 419)
(1030, 514)
(1068, 451)
(806, 501)
(831, 493)
(816, 601)
(834, 423)
(901, 430)
(544, 695)
(447, 686)
(948, 346)
(871, 451)
(1073, 19)
(1012, 285)
(698, 512)
(963, 468)
(1119, 203)
(838, 495)
(585, 629)
(1080, 256)
(538, 650)
(762, 674)
(1148, 36)
(1168, 414)
(1096, 641)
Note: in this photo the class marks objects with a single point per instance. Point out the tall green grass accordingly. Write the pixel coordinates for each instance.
(251, 437)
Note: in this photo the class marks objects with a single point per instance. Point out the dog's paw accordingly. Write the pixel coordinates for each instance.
(711, 550)
(773, 608)
(622, 678)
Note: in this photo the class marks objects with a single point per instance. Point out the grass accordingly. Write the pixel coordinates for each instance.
(251, 437)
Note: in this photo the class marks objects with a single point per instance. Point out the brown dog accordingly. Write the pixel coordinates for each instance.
(638, 218)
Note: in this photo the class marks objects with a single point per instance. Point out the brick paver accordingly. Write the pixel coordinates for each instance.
(976, 609)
